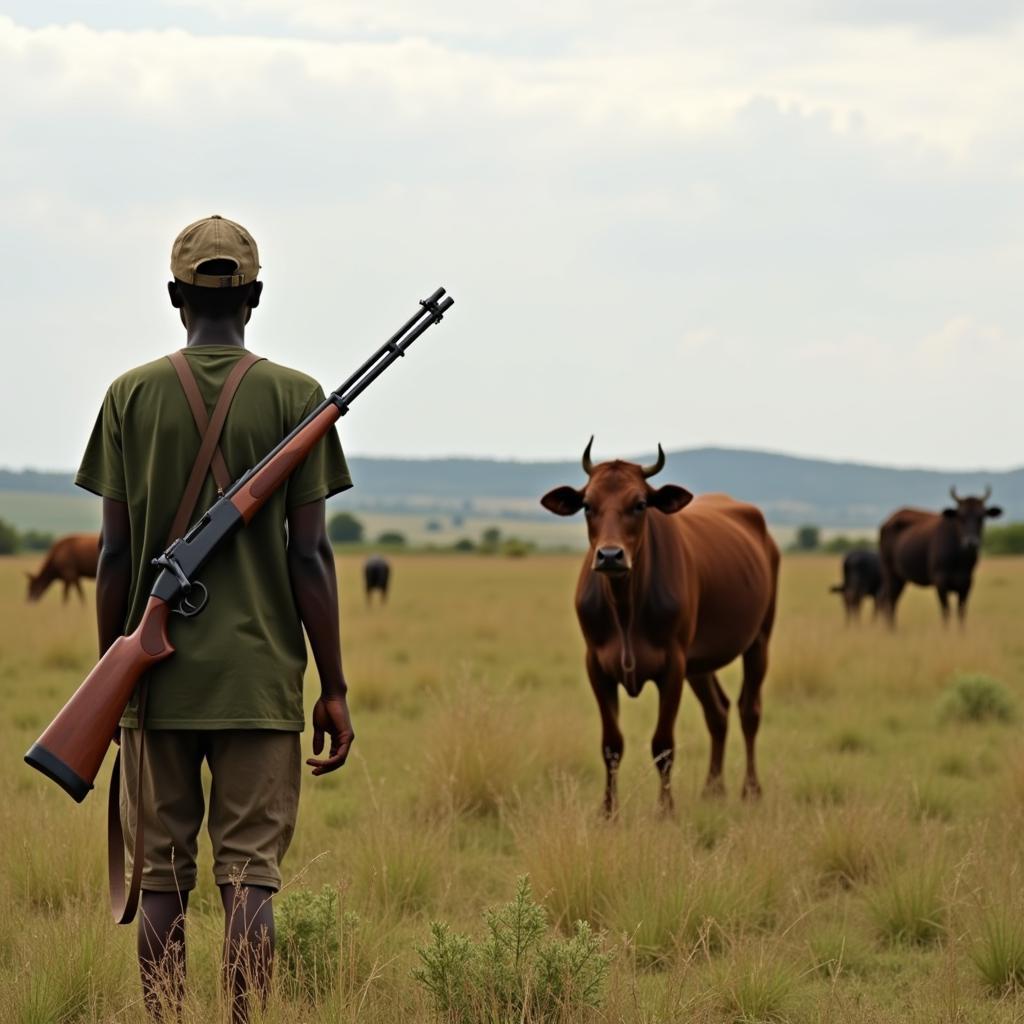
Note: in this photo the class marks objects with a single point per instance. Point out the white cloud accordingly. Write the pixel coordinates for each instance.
(733, 223)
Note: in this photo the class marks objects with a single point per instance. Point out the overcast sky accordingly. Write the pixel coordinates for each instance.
(795, 225)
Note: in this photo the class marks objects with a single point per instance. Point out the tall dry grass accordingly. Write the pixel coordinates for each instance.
(874, 882)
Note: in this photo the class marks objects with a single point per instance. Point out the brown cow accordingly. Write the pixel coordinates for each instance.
(70, 559)
(933, 549)
(668, 597)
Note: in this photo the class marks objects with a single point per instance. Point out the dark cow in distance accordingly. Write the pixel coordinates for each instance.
(376, 576)
(70, 559)
(672, 588)
(934, 549)
(862, 577)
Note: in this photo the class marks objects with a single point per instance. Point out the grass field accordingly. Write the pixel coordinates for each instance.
(878, 880)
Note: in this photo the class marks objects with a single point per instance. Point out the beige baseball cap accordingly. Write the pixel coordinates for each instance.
(215, 238)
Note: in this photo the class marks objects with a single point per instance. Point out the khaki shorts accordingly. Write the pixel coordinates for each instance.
(254, 799)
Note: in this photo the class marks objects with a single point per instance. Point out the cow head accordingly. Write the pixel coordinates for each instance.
(969, 515)
(36, 586)
(616, 499)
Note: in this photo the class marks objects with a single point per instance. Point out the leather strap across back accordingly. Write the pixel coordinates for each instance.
(209, 458)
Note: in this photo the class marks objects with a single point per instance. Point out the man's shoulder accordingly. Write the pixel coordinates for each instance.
(139, 376)
(286, 377)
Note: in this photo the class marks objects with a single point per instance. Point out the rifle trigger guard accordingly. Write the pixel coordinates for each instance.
(187, 608)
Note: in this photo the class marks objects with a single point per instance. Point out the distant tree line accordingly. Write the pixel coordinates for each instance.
(345, 528)
(808, 539)
(1004, 540)
(13, 540)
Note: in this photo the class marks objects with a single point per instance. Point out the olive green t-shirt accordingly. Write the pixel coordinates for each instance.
(239, 663)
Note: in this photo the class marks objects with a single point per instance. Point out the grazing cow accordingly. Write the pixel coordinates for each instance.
(862, 577)
(70, 559)
(672, 588)
(376, 575)
(934, 549)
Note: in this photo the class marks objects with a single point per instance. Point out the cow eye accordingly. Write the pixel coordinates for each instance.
(640, 505)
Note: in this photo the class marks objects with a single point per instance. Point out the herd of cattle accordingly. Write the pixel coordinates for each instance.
(668, 598)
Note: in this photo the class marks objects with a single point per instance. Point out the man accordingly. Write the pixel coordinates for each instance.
(232, 694)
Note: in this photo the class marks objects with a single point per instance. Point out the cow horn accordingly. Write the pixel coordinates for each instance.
(987, 494)
(657, 467)
(953, 494)
(588, 466)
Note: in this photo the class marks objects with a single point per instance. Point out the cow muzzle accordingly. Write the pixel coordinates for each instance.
(611, 560)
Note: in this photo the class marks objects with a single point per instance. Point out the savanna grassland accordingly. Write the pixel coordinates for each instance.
(878, 880)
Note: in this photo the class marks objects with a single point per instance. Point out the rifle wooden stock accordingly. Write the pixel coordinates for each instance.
(277, 467)
(74, 744)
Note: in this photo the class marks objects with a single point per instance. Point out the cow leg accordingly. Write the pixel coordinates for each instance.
(78, 586)
(943, 604)
(606, 691)
(961, 606)
(67, 590)
(755, 667)
(663, 743)
(891, 591)
(715, 703)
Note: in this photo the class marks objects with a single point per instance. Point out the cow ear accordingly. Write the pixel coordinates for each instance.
(949, 513)
(993, 511)
(669, 498)
(563, 501)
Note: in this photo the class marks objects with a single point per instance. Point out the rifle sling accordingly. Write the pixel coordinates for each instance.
(124, 899)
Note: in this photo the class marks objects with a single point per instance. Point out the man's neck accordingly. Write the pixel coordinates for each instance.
(204, 331)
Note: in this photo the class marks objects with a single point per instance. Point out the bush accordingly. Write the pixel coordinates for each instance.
(344, 528)
(8, 538)
(36, 540)
(998, 951)
(315, 940)
(518, 971)
(976, 698)
(464, 544)
(490, 539)
(808, 538)
(840, 544)
(392, 538)
(1004, 540)
(513, 547)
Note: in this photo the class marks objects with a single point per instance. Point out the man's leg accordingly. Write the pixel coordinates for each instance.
(248, 946)
(253, 803)
(172, 797)
(161, 951)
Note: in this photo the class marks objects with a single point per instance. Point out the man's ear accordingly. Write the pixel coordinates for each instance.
(255, 291)
(563, 501)
(669, 498)
(993, 511)
(949, 513)
(175, 294)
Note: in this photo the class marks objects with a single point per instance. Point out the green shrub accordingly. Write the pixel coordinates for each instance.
(464, 544)
(908, 907)
(344, 528)
(316, 941)
(976, 698)
(36, 540)
(392, 538)
(807, 538)
(8, 538)
(513, 547)
(517, 971)
(998, 950)
(1004, 540)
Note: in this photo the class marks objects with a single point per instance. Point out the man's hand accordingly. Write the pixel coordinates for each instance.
(330, 715)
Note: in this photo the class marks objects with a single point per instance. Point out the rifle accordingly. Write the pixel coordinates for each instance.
(71, 749)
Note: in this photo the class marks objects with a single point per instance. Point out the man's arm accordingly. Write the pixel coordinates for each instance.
(315, 587)
(113, 573)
